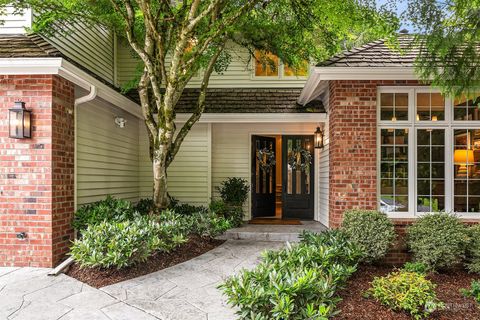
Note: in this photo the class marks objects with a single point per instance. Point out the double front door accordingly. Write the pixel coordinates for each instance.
(282, 178)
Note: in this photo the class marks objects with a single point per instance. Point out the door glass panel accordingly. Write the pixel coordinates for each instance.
(430, 170)
(298, 171)
(289, 167)
(308, 147)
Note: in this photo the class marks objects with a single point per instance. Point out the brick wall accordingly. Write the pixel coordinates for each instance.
(37, 175)
(353, 145)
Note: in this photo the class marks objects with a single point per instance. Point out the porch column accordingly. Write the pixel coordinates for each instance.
(37, 174)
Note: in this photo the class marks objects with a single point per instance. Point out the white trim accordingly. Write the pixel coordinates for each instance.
(209, 162)
(65, 69)
(256, 117)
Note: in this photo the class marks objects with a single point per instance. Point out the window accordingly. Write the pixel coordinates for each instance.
(429, 152)
(269, 65)
(394, 170)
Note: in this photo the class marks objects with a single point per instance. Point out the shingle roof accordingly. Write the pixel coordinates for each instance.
(376, 54)
(26, 46)
(240, 100)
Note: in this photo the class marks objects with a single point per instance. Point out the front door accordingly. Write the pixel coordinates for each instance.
(297, 175)
(263, 176)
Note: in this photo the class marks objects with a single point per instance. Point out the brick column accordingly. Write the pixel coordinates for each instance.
(353, 149)
(37, 175)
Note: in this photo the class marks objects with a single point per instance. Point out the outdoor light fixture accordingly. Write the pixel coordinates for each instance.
(318, 138)
(120, 122)
(20, 121)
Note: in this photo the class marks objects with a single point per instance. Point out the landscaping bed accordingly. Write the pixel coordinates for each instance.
(100, 277)
(355, 306)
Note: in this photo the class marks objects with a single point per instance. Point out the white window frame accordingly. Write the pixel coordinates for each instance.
(449, 125)
(281, 74)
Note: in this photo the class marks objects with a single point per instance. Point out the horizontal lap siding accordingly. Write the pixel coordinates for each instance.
(238, 74)
(91, 47)
(323, 173)
(107, 156)
(15, 23)
(188, 175)
(231, 148)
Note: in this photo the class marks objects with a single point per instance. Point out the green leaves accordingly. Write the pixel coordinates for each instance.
(297, 282)
(473, 291)
(371, 231)
(406, 291)
(437, 240)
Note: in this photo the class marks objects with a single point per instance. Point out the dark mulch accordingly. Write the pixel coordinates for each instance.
(98, 277)
(355, 306)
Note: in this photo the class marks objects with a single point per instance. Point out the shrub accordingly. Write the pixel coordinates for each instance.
(297, 282)
(110, 209)
(144, 206)
(437, 240)
(473, 249)
(417, 267)
(208, 224)
(234, 191)
(233, 213)
(406, 291)
(122, 244)
(371, 231)
(187, 209)
(473, 291)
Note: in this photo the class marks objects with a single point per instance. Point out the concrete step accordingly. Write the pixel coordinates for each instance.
(263, 232)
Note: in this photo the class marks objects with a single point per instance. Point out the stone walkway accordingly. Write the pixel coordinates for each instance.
(183, 292)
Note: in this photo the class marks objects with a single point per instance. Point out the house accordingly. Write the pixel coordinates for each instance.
(389, 142)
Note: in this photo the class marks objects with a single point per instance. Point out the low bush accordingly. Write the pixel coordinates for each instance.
(144, 206)
(473, 249)
(371, 231)
(122, 244)
(233, 213)
(208, 224)
(187, 209)
(437, 240)
(110, 209)
(406, 291)
(297, 282)
(234, 191)
(417, 267)
(473, 291)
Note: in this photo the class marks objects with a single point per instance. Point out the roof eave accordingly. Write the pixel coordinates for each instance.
(366, 73)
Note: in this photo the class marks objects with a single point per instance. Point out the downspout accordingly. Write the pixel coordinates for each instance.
(92, 94)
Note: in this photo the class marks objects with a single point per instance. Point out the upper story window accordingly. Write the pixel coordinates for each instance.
(269, 65)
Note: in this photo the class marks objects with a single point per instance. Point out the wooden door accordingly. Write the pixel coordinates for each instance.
(263, 176)
(298, 177)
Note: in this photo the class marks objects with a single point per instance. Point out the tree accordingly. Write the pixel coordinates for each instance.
(448, 37)
(177, 39)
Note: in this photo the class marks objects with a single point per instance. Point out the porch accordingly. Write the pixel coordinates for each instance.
(269, 232)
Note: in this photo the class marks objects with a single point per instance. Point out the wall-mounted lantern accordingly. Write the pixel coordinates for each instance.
(20, 121)
(318, 138)
(120, 122)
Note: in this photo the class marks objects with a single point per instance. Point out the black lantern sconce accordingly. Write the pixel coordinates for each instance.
(20, 121)
(318, 138)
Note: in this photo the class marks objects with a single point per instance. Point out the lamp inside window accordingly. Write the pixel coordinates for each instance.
(20, 122)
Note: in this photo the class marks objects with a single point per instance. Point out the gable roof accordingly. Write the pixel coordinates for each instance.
(376, 54)
(26, 46)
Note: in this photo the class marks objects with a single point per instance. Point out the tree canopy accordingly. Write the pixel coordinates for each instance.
(448, 34)
(177, 39)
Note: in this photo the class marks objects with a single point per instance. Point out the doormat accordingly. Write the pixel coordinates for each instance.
(275, 221)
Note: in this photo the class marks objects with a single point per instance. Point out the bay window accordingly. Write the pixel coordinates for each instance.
(429, 152)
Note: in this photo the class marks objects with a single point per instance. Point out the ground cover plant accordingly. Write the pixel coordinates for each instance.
(406, 291)
(297, 282)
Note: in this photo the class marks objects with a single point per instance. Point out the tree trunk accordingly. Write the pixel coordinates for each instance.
(160, 192)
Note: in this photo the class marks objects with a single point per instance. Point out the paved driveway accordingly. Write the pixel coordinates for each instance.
(185, 291)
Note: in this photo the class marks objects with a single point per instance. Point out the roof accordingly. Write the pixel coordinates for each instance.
(242, 100)
(26, 46)
(376, 54)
